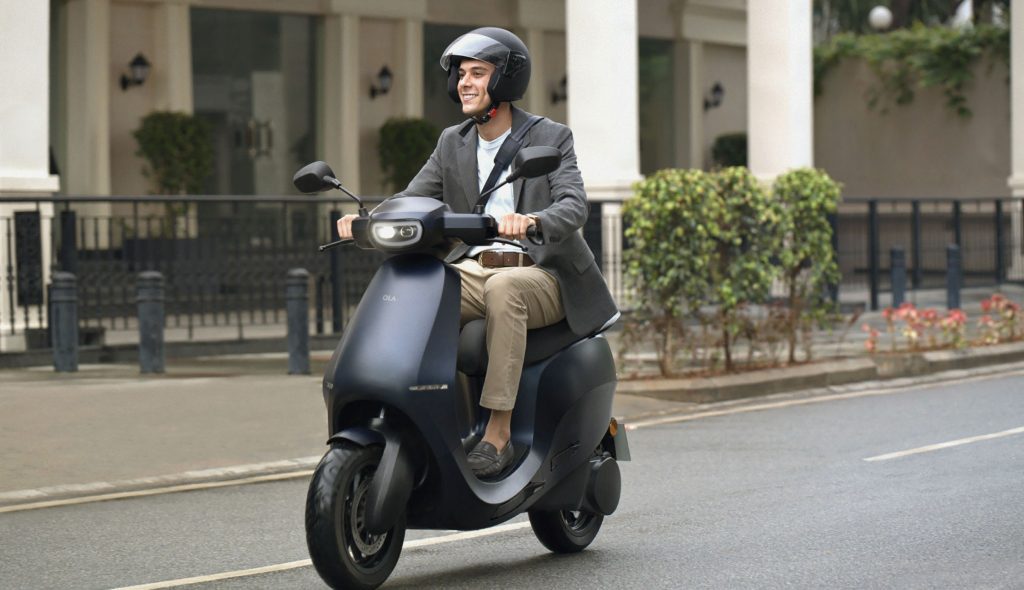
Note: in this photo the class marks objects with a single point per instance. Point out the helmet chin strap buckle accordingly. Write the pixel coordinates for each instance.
(488, 114)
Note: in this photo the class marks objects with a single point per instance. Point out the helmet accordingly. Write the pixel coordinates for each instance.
(506, 52)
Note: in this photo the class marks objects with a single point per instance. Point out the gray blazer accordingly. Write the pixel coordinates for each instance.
(558, 200)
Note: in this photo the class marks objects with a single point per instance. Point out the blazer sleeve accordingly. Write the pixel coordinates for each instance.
(569, 208)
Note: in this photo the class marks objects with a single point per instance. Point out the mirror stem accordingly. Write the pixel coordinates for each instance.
(337, 184)
(482, 201)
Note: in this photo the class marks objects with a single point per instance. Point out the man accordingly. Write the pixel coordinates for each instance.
(489, 68)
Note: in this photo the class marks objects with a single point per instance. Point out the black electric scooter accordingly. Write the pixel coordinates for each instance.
(402, 392)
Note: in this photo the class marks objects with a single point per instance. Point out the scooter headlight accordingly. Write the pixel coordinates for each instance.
(396, 234)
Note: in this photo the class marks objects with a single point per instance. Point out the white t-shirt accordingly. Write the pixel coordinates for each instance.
(501, 201)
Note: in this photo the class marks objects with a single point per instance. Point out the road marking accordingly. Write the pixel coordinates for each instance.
(156, 491)
(946, 445)
(291, 565)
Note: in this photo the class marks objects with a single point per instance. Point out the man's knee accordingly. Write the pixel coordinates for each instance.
(502, 294)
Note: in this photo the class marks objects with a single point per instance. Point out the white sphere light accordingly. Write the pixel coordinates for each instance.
(880, 18)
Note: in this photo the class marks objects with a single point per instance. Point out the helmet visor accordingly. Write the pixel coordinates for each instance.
(475, 46)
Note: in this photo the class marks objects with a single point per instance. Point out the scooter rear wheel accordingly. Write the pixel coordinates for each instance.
(565, 531)
(343, 552)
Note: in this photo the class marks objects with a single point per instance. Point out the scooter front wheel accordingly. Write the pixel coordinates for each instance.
(565, 531)
(343, 552)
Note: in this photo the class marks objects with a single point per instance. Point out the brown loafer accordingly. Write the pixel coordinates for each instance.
(486, 461)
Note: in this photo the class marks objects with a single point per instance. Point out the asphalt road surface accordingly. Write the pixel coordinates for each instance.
(850, 491)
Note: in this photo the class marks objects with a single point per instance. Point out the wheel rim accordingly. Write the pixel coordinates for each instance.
(576, 521)
(364, 549)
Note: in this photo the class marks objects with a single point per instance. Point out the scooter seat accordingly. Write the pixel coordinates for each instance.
(540, 344)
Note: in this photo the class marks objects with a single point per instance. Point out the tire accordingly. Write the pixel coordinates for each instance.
(345, 555)
(565, 531)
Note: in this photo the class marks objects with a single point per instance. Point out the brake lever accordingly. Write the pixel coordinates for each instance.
(323, 247)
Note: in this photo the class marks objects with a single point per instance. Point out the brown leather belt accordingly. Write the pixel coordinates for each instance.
(497, 259)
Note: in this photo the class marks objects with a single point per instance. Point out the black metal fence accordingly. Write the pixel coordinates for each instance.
(866, 231)
(224, 260)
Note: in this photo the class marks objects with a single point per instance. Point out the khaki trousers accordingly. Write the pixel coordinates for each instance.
(512, 300)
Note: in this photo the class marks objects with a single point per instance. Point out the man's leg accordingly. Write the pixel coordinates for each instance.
(516, 300)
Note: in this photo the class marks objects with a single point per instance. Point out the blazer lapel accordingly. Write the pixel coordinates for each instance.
(468, 175)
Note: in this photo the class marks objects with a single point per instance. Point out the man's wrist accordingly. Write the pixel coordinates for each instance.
(536, 220)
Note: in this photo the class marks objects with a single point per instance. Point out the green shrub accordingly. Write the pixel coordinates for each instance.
(405, 145)
(808, 264)
(669, 249)
(729, 149)
(746, 232)
(178, 151)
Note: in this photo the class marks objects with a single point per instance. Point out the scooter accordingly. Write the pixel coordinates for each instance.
(402, 391)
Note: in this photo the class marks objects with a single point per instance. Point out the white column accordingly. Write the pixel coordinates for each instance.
(172, 62)
(601, 39)
(696, 101)
(1016, 180)
(24, 145)
(25, 98)
(537, 93)
(779, 74)
(87, 170)
(341, 97)
(411, 81)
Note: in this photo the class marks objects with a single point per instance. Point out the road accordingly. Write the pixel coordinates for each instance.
(768, 493)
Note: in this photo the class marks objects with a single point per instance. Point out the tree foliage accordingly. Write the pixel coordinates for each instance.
(920, 57)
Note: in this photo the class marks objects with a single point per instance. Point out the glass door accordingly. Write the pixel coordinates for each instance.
(254, 82)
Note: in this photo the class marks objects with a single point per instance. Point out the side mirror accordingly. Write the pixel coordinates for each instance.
(313, 178)
(535, 161)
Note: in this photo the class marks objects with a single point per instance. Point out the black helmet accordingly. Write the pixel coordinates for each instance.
(506, 52)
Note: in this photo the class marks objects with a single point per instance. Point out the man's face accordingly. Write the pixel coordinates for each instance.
(473, 78)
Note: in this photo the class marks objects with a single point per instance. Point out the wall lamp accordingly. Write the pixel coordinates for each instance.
(384, 79)
(139, 69)
(714, 98)
(560, 93)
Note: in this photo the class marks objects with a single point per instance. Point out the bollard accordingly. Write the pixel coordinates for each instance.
(149, 289)
(64, 322)
(952, 276)
(297, 303)
(898, 275)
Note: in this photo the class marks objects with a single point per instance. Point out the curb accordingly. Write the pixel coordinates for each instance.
(64, 492)
(880, 367)
(129, 353)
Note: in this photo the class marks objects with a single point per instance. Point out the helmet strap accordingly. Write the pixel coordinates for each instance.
(488, 114)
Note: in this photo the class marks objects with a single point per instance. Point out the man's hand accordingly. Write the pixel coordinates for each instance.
(345, 227)
(513, 226)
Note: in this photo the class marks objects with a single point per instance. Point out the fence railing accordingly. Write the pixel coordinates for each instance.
(225, 258)
(867, 229)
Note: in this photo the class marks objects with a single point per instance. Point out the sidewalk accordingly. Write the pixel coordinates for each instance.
(111, 426)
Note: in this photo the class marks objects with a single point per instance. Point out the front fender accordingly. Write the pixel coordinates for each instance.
(392, 482)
